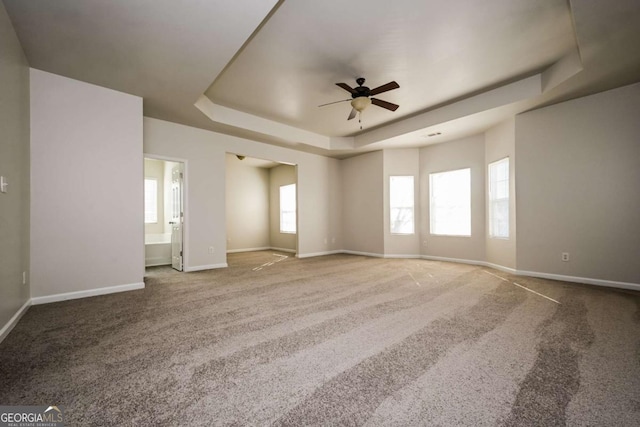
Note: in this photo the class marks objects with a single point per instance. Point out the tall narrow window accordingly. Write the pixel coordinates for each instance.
(288, 208)
(499, 199)
(150, 201)
(401, 204)
(450, 202)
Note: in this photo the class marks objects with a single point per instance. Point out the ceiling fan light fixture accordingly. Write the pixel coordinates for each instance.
(360, 103)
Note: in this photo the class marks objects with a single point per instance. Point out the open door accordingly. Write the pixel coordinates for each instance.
(177, 216)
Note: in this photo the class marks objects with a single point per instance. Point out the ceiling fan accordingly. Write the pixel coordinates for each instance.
(361, 97)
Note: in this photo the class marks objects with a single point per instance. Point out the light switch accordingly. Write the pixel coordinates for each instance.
(3, 184)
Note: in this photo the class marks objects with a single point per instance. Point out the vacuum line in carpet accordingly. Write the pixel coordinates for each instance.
(523, 287)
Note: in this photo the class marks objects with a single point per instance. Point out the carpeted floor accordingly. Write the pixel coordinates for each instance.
(335, 340)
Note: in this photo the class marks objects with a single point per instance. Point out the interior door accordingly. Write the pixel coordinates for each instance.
(177, 216)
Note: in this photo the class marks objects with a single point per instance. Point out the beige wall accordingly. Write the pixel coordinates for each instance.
(155, 169)
(578, 184)
(500, 143)
(278, 176)
(87, 215)
(404, 162)
(458, 154)
(319, 184)
(247, 205)
(363, 203)
(14, 166)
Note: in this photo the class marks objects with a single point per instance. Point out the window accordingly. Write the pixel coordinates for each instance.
(150, 201)
(401, 204)
(288, 208)
(499, 199)
(450, 202)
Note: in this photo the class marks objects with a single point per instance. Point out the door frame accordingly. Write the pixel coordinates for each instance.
(185, 203)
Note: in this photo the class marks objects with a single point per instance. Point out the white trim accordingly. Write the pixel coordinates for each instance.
(315, 254)
(205, 267)
(560, 277)
(235, 251)
(585, 280)
(291, 251)
(406, 256)
(363, 253)
(501, 268)
(88, 293)
(264, 248)
(458, 260)
(6, 329)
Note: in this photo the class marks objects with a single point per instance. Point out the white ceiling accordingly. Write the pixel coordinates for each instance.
(436, 50)
(259, 68)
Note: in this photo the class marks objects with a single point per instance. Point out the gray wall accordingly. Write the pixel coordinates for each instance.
(87, 224)
(363, 203)
(578, 184)
(14, 166)
(319, 189)
(247, 204)
(278, 176)
(500, 142)
(459, 154)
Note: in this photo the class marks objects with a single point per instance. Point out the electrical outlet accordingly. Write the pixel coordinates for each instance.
(565, 256)
(211, 249)
(24, 277)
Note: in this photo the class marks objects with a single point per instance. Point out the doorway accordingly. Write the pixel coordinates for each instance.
(261, 205)
(164, 212)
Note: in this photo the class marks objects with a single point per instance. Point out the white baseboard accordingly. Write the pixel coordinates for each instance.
(560, 277)
(291, 251)
(402, 256)
(264, 248)
(235, 251)
(315, 254)
(88, 293)
(363, 253)
(501, 268)
(14, 320)
(205, 267)
(586, 280)
(458, 260)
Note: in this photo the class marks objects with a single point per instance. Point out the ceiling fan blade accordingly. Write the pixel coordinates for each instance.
(384, 104)
(384, 88)
(345, 87)
(352, 114)
(334, 102)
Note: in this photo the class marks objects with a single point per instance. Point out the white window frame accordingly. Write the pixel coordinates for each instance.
(439, 212)
(498, 200)
(398, 207)
(151, 202)
(289, 210)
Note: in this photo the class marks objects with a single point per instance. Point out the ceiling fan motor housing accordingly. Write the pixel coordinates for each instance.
(360, 90)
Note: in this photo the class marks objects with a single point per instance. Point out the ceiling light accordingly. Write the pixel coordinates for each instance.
(360, 103)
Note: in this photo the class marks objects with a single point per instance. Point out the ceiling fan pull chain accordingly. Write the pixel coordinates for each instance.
(360, 119)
